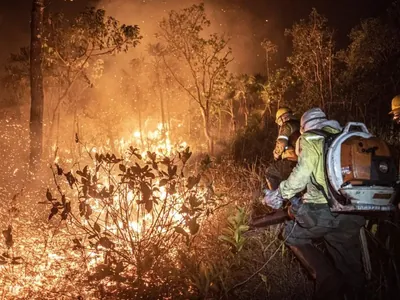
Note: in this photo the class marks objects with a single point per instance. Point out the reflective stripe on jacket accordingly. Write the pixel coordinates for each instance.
(310, 168)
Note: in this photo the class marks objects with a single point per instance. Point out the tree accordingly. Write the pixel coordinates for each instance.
(132, 85)
(273, 93)
(243, 86)
(312, 61)
(74, 48)
(36, 82)
(156, 52)
(270, 48)
(371, 76)
(204, 61)
(73, 51)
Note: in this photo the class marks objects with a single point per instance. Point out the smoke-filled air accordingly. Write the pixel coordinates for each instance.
(166, 149)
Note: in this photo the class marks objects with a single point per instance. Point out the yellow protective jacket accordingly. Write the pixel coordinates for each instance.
(310, 168)
(286, 140)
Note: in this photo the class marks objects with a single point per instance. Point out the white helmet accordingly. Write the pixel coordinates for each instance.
(310, 118)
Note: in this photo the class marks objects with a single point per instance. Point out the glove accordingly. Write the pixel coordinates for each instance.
(296, 202)
(294, 207)
(273, 198)
(276, 156)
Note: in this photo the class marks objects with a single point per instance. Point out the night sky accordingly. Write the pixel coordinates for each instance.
(269, 18)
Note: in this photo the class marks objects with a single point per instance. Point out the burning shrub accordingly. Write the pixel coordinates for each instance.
(131, 216)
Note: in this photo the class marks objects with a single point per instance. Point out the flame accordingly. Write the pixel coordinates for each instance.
(158, 141)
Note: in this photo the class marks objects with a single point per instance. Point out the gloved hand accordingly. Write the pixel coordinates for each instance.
(276, 156)
(273, 198)
(295, 203)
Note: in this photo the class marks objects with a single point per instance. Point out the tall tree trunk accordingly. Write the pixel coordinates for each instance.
(219, 123)
(233, 118)
(168, 111)
(207, 131)
(164, 127)
(267, 63)
(36, 80)
(189, 118)
(139, 110)
(161, 100)
(246, 112)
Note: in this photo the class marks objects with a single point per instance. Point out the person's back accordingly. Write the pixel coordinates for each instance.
(289, 132)
(311, 168)
(284, 152)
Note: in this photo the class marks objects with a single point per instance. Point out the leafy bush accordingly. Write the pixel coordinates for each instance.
(132, 215)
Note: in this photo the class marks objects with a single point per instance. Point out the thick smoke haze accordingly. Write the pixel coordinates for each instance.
(227, 17)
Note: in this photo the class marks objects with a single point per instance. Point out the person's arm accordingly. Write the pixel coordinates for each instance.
(282, 141)
(301, 174)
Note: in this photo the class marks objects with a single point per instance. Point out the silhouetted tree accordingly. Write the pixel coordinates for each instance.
(312, 61)
(36, 81)
(203, 61)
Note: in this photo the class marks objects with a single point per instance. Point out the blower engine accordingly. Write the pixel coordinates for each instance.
(361, 172)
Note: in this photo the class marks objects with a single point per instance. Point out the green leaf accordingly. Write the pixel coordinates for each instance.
(82, 209)
(89, 211)
(66, 211)
(16, 260)
(59, 170)
(192, 181)
(49, 196)
(70, 178)
(150, 175)
(182, 231)
(96, 227)
(105, 242)
(194, 202)
(163, 182)
(227, 239)
(172, 188)
(122, 168)
(172, 171)
(54, 211)
(243, 228)
(193, 226)
(146, 191)
(148, 206)
(263, 277)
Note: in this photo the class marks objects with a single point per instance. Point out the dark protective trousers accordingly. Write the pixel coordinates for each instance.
(278, 171)
(340, 233)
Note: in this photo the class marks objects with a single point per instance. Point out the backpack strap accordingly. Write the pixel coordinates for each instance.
(329, 137)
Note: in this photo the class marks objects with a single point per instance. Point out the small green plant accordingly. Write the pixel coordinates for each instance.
(233, 233)
(205, 280)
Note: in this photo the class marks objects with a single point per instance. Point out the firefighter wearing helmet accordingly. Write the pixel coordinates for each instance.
(396, 109)
(396, 118)
(284, 153)
(314, 219)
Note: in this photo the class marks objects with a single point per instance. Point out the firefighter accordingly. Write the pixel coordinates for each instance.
(284, 153)
(396, 109)
(396, 118)
(314, 220)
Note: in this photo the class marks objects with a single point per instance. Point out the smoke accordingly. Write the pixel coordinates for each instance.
(116, 94)
(227, 17)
